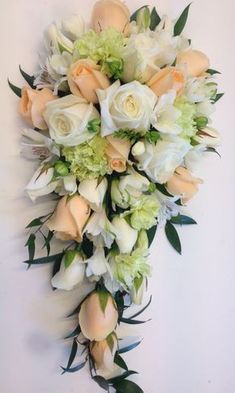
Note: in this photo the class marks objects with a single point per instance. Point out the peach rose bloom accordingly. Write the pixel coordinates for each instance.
(103, 353)
(183, 183)
(84, 77)
(95, 323)
(69, 218)
(195, 61)
(32, 105)
(169, 78)
(111, 13)
(117, 152)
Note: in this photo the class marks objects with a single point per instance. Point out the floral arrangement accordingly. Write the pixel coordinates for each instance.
(118, 117)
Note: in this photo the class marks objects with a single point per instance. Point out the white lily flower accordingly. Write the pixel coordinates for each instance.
(199, 89)
(42, 182)
(165, 115)
(35, 145)
(73, 26)
(205, 108)
(68, 277)
(97, 265)
(56, 41)
(208, 136)
(59, 64)
(93, 191)
(66, 185)
(193, 158)
(168, 208)
(127, 236)
(98, 224)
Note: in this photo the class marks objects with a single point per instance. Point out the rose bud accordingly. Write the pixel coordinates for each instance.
(32, 105)
(117, 152)
(84, 77)
(195, 61)
(98, 315)
(69, 218)
(111, 13)
(169, 78)
(183, 183)
(103, 353)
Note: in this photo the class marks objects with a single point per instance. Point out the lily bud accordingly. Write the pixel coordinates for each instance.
(126, 237)
(98, 315)
(138, 149)
(111, 13)
(138, 289)
(143, 19)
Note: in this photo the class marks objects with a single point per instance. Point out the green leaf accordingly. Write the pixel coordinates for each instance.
(31, 246)
(182, 220)
(143, 309)
(36, 222)
(15, 89)
(119, 299)
(151, 234)
(129, 347)
(72, 356)
(181, 22)
(172, 236)
(162, 189)
(217, 97)
(130, 321)
(69, 257)
(134, 15)
(118, 360)
(212, 150)
(103, 298)
(102, 382)
(74, 333)
(29, 79)
(87, 247)
(56, 266)
(120, 378)
(110, 342)
(127, 386)
(73, 369)
(47, 241)
(43, 260)
(155, 19)
(212, 72)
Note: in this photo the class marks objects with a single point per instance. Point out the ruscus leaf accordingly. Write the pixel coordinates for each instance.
(182, 220)
(121, 377)
(172, 236)
(29, 79)
(15, 89)
(127, 386)
(118, 360)
(181, 22)
(155, 19)
(134, 15)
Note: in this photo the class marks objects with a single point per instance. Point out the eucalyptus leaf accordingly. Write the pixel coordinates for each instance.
(102, 382)
(118, 360)
(155, 19)
(15, 89)
(127, 386)
(129, 347)
(121, 377)
(29, 79)
(182, 220)
(181, 22)
(172, 236)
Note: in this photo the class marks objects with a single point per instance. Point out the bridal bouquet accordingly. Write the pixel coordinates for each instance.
(118, 115)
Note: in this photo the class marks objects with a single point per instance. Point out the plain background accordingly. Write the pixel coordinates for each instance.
(189, 346)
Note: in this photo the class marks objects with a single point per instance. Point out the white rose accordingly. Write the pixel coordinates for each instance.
(127, 106)
(73, 26)
(165, 115)
(68, 277)
(68, 118)
(126, 237)
(93, 191)
(145, 53)
(160, 161)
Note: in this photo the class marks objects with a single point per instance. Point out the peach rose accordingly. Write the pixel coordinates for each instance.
(117, 152)
(69, 218)
(84, 77)
(32, 105)
(95, 323)
(195, 61)
(183, 183)
(111, 13)
(103, 353)
(169, 78)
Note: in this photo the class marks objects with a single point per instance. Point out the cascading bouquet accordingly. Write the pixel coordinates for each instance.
(119, 116)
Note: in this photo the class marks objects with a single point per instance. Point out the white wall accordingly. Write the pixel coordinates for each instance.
(189, 346)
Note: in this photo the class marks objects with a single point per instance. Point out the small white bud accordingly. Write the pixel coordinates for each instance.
(138, 149)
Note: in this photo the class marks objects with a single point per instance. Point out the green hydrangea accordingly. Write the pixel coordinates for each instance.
(144, 211)
(105, 48)
(128, 267)
(87, 160)
(186, 120)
